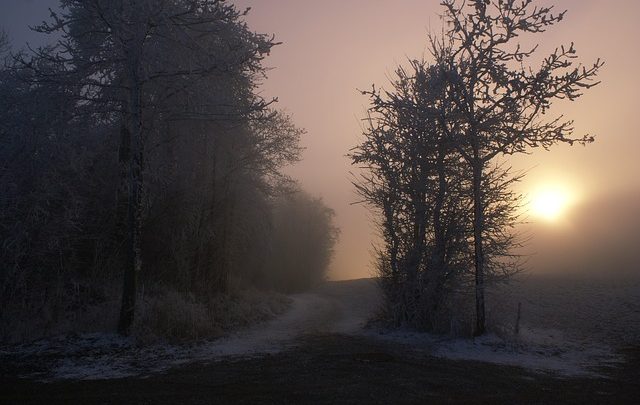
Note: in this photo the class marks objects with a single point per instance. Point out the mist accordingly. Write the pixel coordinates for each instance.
(294, 201)
(335, 49)
(597, 238)
(360, 46)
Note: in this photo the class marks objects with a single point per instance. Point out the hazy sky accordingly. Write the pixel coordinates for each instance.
(331, 48)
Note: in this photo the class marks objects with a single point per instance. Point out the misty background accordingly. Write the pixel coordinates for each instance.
(333, 48)
(173, 172)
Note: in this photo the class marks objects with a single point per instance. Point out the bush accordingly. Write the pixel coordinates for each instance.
(179, 317)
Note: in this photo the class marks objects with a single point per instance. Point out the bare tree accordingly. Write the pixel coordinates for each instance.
(500, 100)
(413, 179)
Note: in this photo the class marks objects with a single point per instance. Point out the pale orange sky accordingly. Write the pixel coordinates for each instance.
(331, 48)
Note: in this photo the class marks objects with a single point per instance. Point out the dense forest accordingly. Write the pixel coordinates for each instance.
(142, 176)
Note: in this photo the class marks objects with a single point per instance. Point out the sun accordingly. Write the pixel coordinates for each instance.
(550, 204)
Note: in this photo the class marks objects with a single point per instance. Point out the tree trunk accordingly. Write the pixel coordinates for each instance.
(437, 263)
(227, 235)
(134, 260)
(478, 228)
(393, 251)
(122, 198)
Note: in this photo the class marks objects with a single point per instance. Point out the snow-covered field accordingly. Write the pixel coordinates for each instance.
(567, 327)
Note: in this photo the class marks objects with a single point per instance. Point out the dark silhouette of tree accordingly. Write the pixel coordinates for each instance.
(433, 144)
(129, 57)
(501, 101)
(413, 179)
(188, 150)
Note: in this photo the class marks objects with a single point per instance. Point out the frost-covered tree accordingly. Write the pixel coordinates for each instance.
(416, 181)
(412, 180)
(192, 153)
(502, 100)
(130, 58)
(52, 207)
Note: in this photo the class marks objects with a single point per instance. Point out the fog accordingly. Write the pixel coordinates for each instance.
(345, 47)
(598, 238)
(183, 189)
(331, 49)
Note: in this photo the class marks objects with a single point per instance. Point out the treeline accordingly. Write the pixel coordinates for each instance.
(432, 152)
(137, 156)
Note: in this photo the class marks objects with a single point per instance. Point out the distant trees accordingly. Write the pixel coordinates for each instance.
(481, 102)
(302, 242)
(140, 141)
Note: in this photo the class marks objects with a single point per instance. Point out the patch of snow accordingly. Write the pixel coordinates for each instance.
(536, 350)
(107, 356)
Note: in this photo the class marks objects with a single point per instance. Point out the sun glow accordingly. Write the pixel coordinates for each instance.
(550, 203)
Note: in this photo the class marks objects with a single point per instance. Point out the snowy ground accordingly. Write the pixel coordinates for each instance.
(568, 329)
(538, 350)
(569, 326)
(104, 356)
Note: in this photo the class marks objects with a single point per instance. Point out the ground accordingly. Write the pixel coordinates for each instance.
(319, 353)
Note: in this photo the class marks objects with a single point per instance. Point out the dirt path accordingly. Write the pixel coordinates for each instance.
(336, 307)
